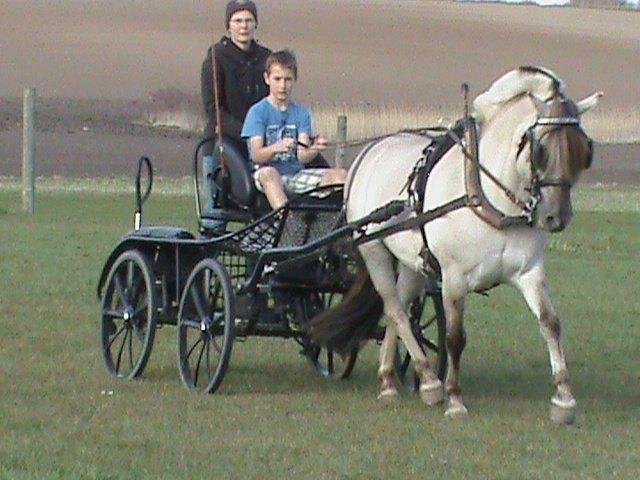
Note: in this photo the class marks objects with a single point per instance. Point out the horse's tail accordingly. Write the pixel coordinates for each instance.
(344, 326)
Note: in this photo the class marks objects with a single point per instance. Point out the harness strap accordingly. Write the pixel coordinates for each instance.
(414, 222)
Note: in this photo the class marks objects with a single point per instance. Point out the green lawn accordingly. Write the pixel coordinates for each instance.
(273, 416)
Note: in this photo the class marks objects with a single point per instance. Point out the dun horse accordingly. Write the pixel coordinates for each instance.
(505, 186)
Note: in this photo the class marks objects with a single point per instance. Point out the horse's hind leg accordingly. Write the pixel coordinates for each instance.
(533, 287)
(388, 390)
(408, 286)
(379, 263)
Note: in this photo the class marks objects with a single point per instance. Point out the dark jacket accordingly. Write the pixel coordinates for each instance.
(240, 85)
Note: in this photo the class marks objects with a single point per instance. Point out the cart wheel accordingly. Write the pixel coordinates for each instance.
(129, 315)
(331, 364)
(429, 327)
(328, 363)
(205, 327)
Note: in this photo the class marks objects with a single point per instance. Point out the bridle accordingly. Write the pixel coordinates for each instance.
(538, 180)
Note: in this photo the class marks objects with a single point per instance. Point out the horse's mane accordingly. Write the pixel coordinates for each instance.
(536, 81)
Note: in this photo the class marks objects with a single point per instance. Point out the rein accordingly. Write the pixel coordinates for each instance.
(422, 131)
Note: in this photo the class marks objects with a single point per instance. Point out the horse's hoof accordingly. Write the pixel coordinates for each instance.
(388, 395)
(433, 393)
(456, 410)
(563, 413)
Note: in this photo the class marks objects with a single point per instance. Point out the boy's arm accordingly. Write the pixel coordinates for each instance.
(261, 154)
(306, 155)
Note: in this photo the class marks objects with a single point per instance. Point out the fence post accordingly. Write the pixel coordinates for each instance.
(341, 138)
(29, 150)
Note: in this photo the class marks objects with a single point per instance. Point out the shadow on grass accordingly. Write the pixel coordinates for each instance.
(261, 378)
(536, 383)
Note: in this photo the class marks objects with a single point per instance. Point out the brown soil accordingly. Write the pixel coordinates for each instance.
(378, 51)
(407, 51)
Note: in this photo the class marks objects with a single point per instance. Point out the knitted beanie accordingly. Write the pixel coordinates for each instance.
(235, 6)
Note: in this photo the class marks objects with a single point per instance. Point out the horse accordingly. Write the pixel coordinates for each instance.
(522, 152)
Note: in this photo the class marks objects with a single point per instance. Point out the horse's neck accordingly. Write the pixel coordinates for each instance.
(498, 147)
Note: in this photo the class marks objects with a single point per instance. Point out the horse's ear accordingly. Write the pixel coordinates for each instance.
(588, 103)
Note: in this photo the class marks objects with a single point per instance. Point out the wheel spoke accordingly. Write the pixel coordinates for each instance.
(120, 289)
(141, 308)
(135, 286)
(430, 345)
(208, 360)
(192, 348)
(191, 323)
(330, 360)
(124, 341)
(131, 350)
(116, 336)
(112, 313)
(429, 323)
(197, 301)
(214, 298)
(213, 342)
(195, 380)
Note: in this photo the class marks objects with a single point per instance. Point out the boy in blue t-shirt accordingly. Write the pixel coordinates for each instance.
(277, 131)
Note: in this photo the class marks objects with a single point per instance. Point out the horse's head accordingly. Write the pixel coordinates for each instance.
(552, 154)
(549, 146)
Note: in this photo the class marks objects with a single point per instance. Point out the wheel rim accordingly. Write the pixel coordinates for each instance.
(429, 327)
(205, 327)
(128, 316)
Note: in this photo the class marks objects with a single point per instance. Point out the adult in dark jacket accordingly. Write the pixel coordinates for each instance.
(240, 67)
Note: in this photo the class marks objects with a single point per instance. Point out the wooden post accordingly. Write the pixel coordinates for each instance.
(29, 150)
(341, 138)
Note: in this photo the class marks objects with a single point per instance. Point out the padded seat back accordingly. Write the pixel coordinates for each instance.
(241, 187)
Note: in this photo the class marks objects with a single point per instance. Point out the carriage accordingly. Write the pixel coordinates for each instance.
(267, 274)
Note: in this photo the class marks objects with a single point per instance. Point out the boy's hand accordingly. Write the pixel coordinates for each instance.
(282, 146)
(320, 143)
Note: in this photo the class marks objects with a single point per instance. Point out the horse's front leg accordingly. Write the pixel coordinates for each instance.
(456, 341)
(534, 288)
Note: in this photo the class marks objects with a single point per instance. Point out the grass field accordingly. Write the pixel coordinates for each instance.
(273, 416)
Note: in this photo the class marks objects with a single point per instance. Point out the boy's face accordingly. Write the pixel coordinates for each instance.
(280, 80)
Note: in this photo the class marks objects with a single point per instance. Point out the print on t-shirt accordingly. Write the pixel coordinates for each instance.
(276, 133)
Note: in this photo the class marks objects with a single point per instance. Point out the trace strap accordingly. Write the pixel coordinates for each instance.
(411, 223)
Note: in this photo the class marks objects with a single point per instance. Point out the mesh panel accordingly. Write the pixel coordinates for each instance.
(236, 265)
(261, 235)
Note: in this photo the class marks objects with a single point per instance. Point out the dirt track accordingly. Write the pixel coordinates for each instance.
(403, 51)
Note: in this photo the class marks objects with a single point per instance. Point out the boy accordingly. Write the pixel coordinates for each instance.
(278, 132)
